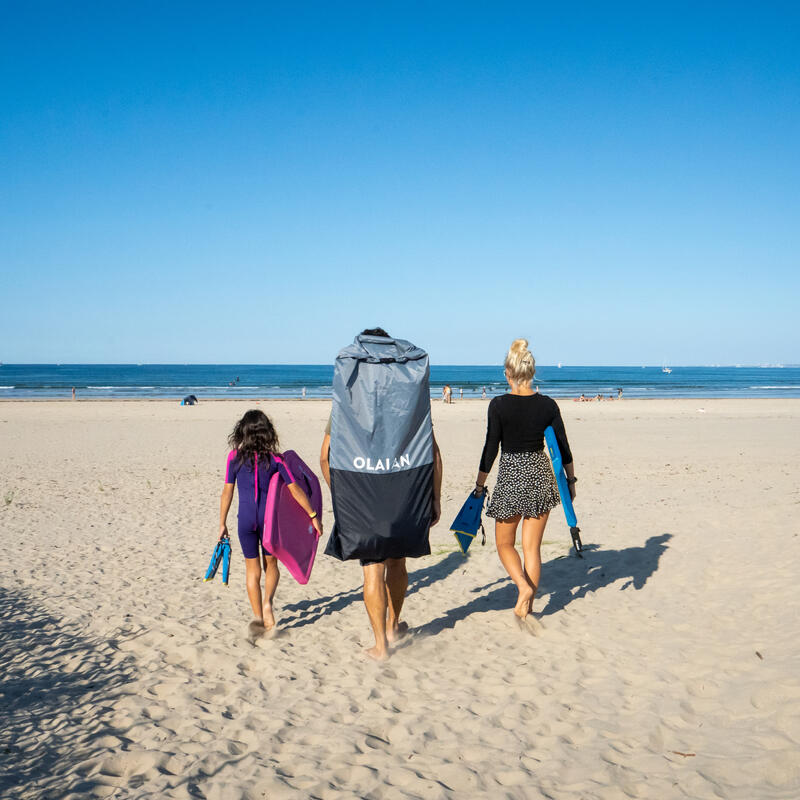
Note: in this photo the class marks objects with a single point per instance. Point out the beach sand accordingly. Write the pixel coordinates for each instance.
(667, 666)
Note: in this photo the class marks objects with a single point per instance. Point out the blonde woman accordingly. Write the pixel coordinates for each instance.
(526, 489)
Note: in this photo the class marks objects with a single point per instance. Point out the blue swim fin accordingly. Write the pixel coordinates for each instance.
(226, 560)
(468, 521)
(221, 555)
(213, 565)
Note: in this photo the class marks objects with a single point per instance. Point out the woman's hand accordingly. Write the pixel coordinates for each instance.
(572, 492)
(317, 523)
(223, 531)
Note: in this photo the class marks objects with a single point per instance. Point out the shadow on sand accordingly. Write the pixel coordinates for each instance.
(309, 611)
(50, 670)
(564, 580)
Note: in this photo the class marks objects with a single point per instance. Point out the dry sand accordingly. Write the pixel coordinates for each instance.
(668, 665)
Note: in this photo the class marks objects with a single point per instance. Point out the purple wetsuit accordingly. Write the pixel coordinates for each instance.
(252, 481)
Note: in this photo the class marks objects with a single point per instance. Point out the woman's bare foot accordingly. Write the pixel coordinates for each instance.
(395, 634)
(523, 606)
(269, 618)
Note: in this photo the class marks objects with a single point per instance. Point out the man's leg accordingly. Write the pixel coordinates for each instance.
(396, 586)
(375, 601)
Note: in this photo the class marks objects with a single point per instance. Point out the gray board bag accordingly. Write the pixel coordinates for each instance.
(381, 451)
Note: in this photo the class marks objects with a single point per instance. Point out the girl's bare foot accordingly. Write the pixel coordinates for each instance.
(255, 630)
(269, 618)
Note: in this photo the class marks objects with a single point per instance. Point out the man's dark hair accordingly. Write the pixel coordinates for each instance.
(375, 332)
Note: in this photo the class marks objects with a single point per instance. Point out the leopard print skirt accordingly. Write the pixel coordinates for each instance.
(525, 485)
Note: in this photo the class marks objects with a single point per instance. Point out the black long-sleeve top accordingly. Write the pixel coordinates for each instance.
(517, 422)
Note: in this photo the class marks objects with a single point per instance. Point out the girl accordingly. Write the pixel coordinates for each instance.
(251, 464)
(526, 488)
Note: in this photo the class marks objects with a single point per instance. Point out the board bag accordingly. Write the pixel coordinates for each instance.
(381, 451)
(288, 532)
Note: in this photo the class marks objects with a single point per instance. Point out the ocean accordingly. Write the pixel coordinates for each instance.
(251, 381)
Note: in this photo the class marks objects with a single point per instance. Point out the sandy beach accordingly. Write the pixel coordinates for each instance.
(667, 665)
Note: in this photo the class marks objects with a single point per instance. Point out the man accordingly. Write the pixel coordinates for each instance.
(381, 461)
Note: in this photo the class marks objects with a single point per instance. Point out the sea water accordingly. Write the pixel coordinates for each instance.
(250, 381)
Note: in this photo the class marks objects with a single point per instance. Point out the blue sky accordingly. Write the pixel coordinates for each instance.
(253, 183)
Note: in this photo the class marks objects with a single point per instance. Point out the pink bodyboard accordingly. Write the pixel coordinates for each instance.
(288, 532)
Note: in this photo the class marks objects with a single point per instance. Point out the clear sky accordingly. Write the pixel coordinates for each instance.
(254, 183)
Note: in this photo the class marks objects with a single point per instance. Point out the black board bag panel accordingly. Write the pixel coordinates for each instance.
(381, 516)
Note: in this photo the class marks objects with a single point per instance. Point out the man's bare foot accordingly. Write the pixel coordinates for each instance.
(395, 634)
(378, 653)
(523, 606)
(269, 618)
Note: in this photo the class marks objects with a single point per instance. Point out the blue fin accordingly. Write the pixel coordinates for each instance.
(216, 557)
(464, 540)
(226, 560)
(468, 520)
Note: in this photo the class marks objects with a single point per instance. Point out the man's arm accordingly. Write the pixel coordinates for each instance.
(323, 459)
(437, 483)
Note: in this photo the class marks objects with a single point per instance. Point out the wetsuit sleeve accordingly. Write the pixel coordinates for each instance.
(231, 467)
(284, 473)
(561, 435)
(494, 432)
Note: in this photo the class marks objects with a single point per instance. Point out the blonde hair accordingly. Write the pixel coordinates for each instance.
(520, 362)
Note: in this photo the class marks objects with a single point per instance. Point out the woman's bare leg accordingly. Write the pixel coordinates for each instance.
(252, 568)
(271, 578)
(532, 533)
(505, 534)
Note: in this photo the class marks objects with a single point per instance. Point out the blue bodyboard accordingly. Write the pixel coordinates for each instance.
(563, 487)
(468, 521)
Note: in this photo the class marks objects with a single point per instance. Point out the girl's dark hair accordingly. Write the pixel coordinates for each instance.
(254, 433)
(375, 332)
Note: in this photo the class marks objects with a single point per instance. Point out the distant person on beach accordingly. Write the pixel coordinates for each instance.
(526, 489)
(250, 466)
(448, 393)
(461, 393)
(384, 506)
(619, 393)
(303, 393)
(73, 392)
(483, 393)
